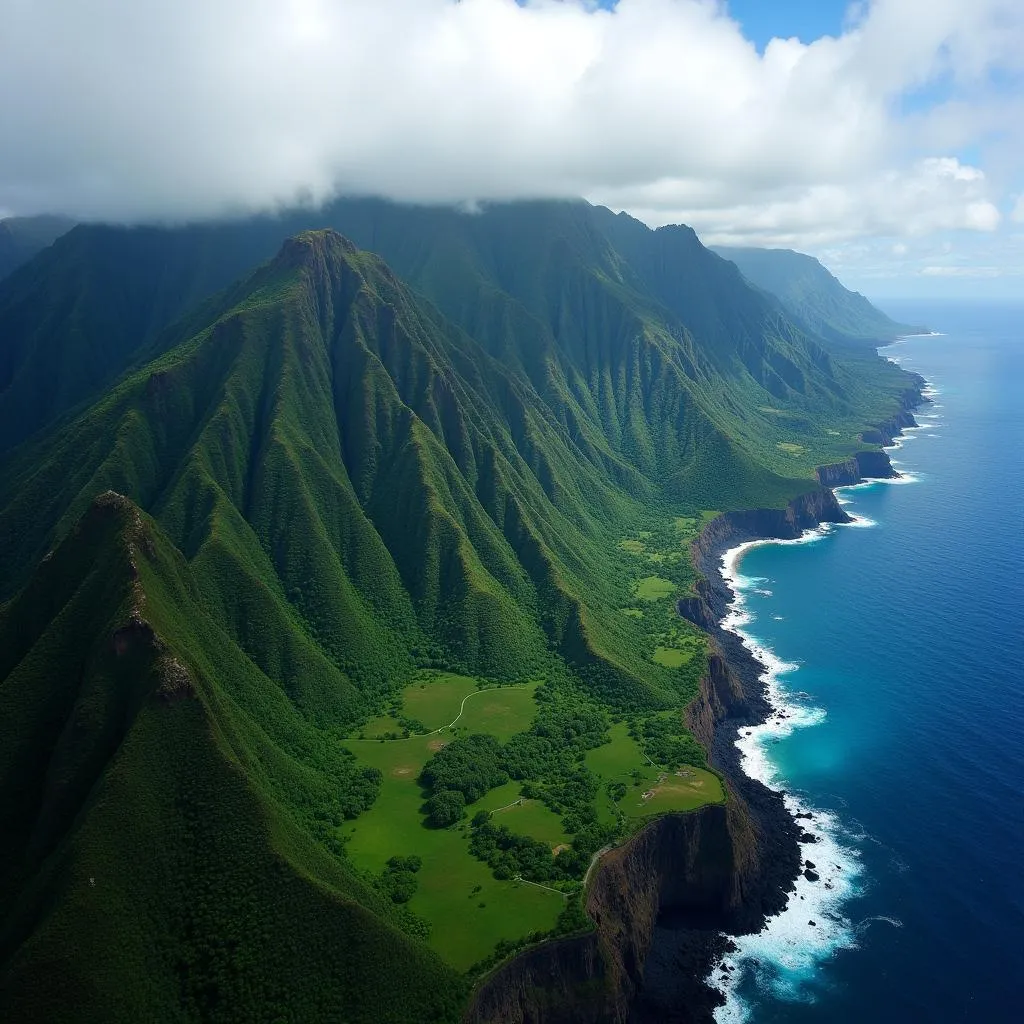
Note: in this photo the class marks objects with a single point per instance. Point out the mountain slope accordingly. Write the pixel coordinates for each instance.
(814, 297)
(149, 868)
(537, 284)
(398, 485)
(22, 237)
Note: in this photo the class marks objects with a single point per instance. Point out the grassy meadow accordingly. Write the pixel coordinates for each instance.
(468, 909)
(650, 789)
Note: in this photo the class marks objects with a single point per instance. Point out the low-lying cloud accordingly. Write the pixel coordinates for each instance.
(177, 109)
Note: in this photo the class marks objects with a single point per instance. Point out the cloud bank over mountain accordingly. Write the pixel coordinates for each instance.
(176, 109)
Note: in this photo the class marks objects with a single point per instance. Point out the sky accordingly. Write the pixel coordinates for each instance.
(885, 137)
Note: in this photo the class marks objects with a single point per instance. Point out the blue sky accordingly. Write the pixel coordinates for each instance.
(763, 20)
(884, 138)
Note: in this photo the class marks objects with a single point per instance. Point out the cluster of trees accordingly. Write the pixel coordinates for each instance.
(398, 879)
(548, 759)
(363, 785)
(666, 742)
(460, 773)
(514, 856)
(322, 800)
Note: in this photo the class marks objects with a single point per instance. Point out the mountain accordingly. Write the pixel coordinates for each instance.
(149, 867)
(531, 281)
(253, 511)
(814, 298)
(22, 237)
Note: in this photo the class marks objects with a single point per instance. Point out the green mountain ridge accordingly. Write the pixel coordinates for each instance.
(535, 283)
(814, 297)
(244, 507)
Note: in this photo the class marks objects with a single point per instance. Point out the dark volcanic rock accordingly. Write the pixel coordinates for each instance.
(868, 464)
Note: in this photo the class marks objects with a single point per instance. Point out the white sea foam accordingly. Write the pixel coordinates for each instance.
(785, 954)
(856, 520)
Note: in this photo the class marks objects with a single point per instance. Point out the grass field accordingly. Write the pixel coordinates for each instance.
(671, 657)
(653, 588)
(469, 910)
(500, 711)
(533, 818)
(684, 790)
(380, 726)
(648, 789)
(436, 699)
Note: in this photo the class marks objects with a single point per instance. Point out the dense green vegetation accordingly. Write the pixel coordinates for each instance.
(379, 646)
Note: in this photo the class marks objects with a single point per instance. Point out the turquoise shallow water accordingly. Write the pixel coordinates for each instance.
(898, 650)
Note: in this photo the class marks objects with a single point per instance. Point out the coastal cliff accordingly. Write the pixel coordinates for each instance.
(886, 432)
(664, 901)
(690, 876)
(874, 465)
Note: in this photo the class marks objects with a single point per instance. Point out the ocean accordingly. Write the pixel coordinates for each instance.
(896, 650)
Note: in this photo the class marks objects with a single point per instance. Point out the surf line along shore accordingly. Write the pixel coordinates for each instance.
(757, 709)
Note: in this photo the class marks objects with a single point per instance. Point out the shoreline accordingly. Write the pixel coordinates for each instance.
(826, 871)
(668, 904)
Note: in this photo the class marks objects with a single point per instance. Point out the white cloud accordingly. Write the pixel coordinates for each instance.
(931, 195)
(962, 271)
(179, 108)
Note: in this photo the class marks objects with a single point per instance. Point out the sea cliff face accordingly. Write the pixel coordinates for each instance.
(873, 465)
(887, 432)
(663, 901)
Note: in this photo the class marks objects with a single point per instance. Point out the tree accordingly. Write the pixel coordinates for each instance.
(445, 808)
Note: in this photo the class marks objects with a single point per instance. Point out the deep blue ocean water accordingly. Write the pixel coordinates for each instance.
(898, 647)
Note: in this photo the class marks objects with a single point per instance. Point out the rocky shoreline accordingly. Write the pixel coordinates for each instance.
(665, 902)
